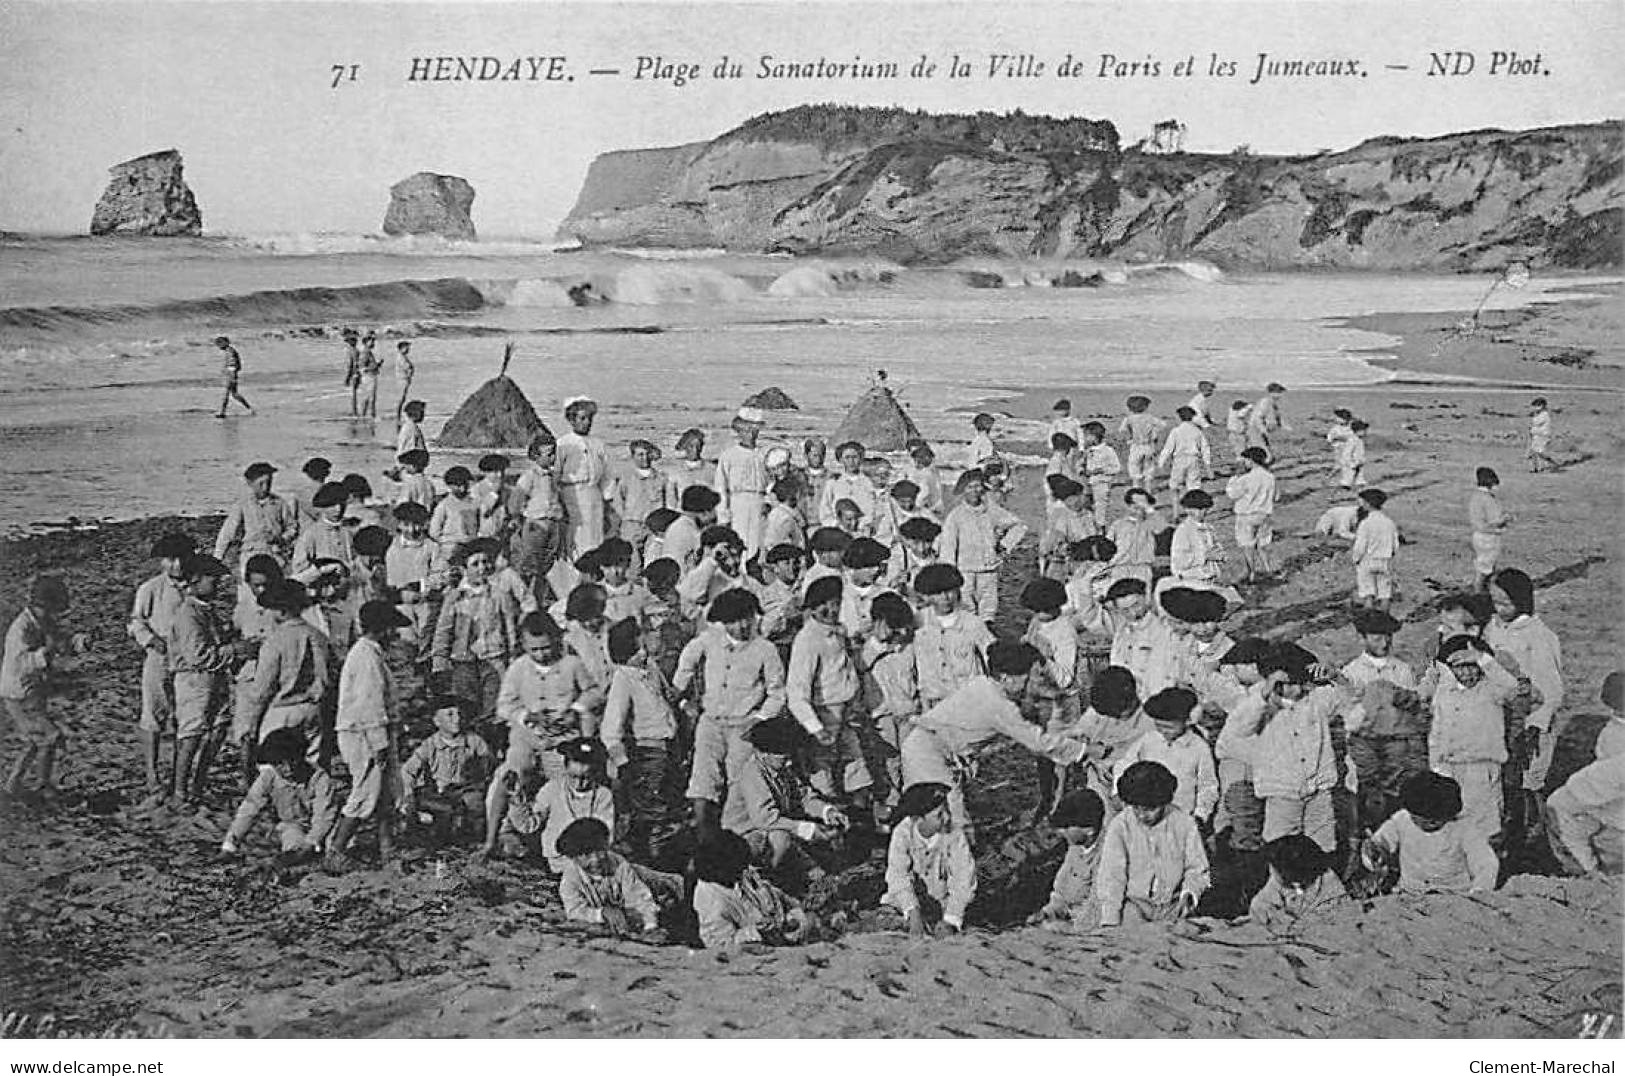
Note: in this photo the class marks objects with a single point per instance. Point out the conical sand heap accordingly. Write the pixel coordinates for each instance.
(497, 415)
(877, 420)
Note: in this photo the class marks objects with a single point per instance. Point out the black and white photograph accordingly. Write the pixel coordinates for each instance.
(811, 520)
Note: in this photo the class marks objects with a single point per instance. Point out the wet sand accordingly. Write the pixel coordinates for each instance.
(117, 919)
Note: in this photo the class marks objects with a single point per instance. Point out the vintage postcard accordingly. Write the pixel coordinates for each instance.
(811, 520)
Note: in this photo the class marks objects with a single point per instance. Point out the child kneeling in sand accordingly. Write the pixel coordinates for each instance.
(288, 784)
(736, 906)
(1078, 817)
(1301, 884)
(930, 872)
(601, 887)
(1436, 849)
(1152, 865)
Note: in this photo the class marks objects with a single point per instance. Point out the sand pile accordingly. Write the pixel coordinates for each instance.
(498, 415)
(878, 421)
(772, 398)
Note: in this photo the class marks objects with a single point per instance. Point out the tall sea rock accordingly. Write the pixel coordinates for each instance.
(430, 204)
(147, 196)
(922, 188)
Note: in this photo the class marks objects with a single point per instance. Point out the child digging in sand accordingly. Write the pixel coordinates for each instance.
(1435, 849)
(1152, 864)
(296, 791)
(1301, 885)
(598, 886)
(1078, 818)
(930, 872)
(736, 906)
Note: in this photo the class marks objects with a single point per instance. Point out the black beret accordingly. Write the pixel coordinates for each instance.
(865, 553)
(1147, 784)
(1432, 795)
(1171, 704)
(938, 579)
(732, 606)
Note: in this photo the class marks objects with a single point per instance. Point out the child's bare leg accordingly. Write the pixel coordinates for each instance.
(149, 757)
(185, 752)
(14, 780)
(496, 809)
(207, 751)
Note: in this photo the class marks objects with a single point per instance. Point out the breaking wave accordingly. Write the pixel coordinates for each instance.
(361, 303)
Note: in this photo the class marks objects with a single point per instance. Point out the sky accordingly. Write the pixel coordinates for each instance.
(243, 88)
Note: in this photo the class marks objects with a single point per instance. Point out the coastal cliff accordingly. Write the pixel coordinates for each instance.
(430, 204)
(147, 196)
(928, 189)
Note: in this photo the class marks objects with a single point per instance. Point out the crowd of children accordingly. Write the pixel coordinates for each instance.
(690, 690)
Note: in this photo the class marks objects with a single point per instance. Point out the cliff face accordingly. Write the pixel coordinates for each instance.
(147, 196)
(430, 204)
(1553, 196)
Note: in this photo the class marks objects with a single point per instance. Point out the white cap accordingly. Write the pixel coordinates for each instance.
(777, 455)
(573, 400)
(751, 414)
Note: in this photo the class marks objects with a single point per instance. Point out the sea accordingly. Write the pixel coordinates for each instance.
(109, 379)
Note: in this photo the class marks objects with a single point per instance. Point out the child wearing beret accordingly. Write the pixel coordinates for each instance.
(1152, 865)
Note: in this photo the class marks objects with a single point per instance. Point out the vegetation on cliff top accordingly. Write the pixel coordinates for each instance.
(847, 126)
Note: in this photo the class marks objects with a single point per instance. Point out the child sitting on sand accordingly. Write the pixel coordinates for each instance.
(930, 872)
(1301, 885)
(443, 783)
(1078, 818)
(33, 642)
(286, 782)
(1435, 849)
(579, 793)
(1152, 864)
(598, 886)
(736, 906)
(772, 804)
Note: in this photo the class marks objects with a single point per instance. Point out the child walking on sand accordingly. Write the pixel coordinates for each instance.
(232, 371)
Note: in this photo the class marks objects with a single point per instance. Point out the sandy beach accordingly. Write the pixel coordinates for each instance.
(117, 920)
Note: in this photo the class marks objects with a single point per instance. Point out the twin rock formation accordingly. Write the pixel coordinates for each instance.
(148, 196)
